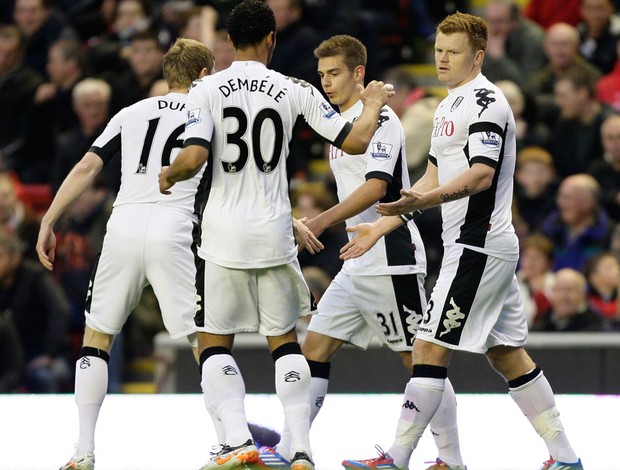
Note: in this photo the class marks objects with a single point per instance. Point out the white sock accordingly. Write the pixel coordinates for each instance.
(91, 385)
(292, 379)
(536, 400)
(444, 428)
(421, 400)
(224, 389)
(318, 390)
(217, 422)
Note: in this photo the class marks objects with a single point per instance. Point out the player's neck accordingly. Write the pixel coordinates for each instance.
(257, 54)
(184, 90)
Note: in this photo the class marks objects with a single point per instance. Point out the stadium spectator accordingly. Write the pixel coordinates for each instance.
(608, 86)
(535, 275)
(550, 12)
(515, 48)
(576, 135)
(579, 228)
(607, 170)
(11, 355)
(569, 307)
(67, 64)
(535, 186)
(53, 112)
(530, 130)
(561, 47)
(41, 24)
(296, 41)
(599, 32)
(18, 85)
(602, 273)
(109, 50)
(91, 103)
(144, 56)
(15, 215)
(38, 307)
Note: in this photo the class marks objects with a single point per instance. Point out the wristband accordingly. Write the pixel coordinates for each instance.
(406, 218)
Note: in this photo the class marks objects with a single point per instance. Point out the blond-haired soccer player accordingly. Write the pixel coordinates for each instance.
(475, 305)
(150, 237)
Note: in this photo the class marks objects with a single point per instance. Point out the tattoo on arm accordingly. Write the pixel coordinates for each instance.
(455, 195)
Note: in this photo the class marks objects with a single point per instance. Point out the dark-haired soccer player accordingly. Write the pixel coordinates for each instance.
(241, 119)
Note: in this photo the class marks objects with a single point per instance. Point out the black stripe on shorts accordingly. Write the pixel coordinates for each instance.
(461, 296)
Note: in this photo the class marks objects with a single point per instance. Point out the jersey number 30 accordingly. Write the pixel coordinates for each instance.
(238, 138)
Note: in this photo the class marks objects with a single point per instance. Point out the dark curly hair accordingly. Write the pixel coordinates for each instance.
(249, 22)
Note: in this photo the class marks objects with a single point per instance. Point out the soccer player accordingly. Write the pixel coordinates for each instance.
(372, 295)
(150, 238)
(475, 305)
(243, 118)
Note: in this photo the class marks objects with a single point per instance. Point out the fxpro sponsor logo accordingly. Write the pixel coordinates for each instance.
(381, 151)
(193, 117)
(443, 127)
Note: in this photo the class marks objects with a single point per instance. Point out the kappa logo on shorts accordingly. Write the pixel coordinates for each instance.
(197, 303)
(411, 406)
(84, 362)
(453, 320)
(319, 402)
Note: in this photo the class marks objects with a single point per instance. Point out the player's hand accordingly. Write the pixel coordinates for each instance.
(376, 92)
(164, 184)
(365, 238)
(409, 201)
(46, 246)
(305, 238)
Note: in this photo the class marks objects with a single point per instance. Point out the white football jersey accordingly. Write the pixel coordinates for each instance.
(149, 134)
(402, 250)
(245, 116)
(475, 124)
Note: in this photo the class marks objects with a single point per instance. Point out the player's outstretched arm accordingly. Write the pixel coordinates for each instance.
(472, 181)
(375, 96)
(367, 235)
(187, 163)
(78, 179)
(304, 237)
(365, 196)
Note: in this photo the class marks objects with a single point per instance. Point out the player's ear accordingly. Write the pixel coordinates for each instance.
(359, 72)
(478, 57)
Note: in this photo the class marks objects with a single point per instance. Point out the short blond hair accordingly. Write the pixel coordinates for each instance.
(185, 60)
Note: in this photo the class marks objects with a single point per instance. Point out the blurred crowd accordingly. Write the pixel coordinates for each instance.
(67, 66)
